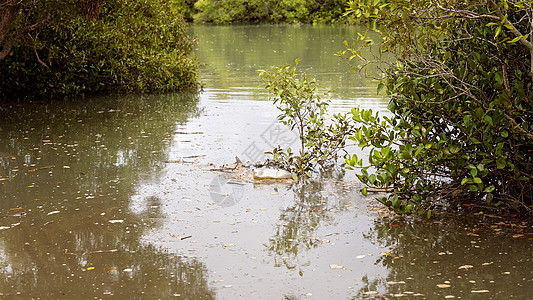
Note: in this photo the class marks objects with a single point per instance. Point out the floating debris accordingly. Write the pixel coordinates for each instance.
(466, 267)
(371, 293)
(334, 266)
(271, 173)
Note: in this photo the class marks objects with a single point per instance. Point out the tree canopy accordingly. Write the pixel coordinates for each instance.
(260, 11)
(462, 103)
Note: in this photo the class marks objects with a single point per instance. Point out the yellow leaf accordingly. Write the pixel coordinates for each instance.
(90, 268)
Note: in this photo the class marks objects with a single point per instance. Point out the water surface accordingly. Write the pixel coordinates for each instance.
(120, 197)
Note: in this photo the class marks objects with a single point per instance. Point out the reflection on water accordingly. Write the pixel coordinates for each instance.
(67, 171)
(234, 54)
(455, 256)
(313, 204)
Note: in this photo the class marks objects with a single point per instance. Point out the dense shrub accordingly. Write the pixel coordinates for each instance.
(130, 46)
(462, 103)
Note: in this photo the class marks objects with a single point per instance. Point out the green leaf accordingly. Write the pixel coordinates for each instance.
(419, 149)
(489, 189)
(473, 188)
(409, 207)
(516, 39)
(385, 151)
(372, 178)
(498, 77)
(380, 87)
(364, 191)
(498, 30)
(500, 163)
(395, 201)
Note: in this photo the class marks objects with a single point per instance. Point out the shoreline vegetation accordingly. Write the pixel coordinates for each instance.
(50, 49)
(58, 48)
(265, 12)
(460, 88)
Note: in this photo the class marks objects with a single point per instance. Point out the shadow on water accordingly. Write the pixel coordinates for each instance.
(66, 176)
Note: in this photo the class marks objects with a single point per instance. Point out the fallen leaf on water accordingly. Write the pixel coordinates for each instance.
(518, 236)
(66, 167)
(128, 270)
(466, 267)
(179, 236)
(4, 227)
(443, 285)
(3, 179)
(116, 221)
(90, 268)
(487, 263)
(334, 266)
(53, 212)
(385, 253)
(370, 293)
(480, 291)
(395, 282)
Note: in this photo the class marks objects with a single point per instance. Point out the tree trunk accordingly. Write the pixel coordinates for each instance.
(8, 15)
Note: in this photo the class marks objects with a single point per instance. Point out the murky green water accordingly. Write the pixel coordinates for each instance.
(119, 197)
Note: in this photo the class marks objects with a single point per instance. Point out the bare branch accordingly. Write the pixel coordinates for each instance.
(7, 21)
